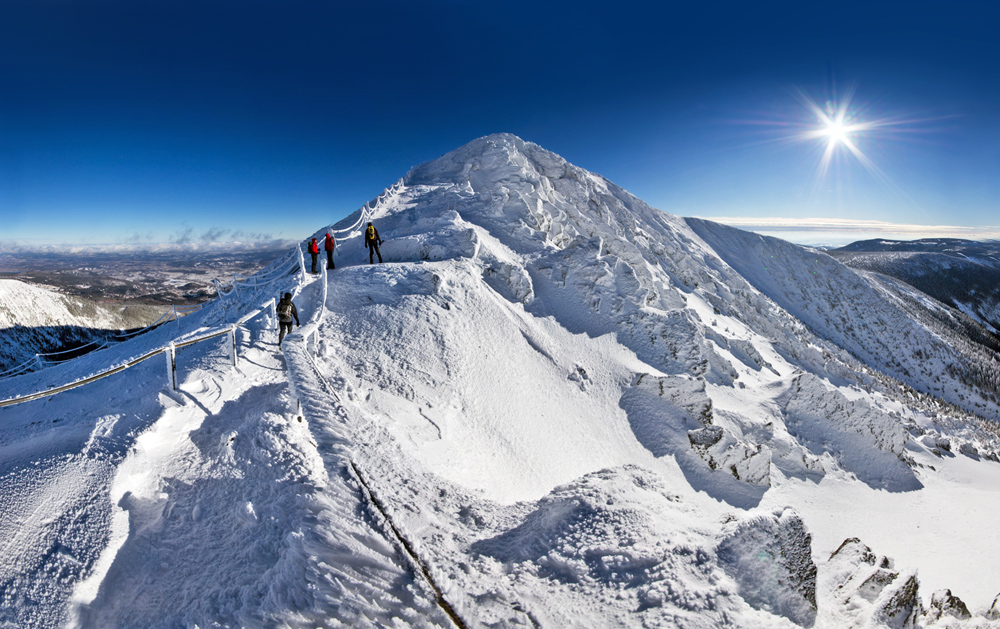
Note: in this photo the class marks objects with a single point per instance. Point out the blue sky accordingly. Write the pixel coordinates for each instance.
(140, 121)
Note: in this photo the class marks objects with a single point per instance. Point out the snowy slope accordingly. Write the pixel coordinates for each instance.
(33, 320)
(576, 410)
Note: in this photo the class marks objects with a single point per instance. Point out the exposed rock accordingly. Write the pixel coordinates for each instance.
(969, 450)
(943, 603)
(722, 451)
(994, 611)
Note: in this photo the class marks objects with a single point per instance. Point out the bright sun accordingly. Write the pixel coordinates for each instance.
(839, 128)
(836, 131)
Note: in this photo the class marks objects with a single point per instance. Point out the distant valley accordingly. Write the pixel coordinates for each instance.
(963, 274)
(157, 278)
(68, 302)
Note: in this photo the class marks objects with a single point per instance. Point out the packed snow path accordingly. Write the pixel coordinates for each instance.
(221, 470)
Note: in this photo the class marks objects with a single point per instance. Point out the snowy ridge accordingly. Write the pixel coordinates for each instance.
(580, 411)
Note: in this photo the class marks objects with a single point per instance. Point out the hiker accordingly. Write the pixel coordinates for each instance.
(372, 241)
(286, 311)
(314, 251)
(329, 245)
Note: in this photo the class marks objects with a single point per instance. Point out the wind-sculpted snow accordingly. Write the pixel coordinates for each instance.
(568, 409)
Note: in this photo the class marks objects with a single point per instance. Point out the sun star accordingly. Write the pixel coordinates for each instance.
(838, 127)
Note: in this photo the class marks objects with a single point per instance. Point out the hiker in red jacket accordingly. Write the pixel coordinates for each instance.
(314, 251)
(329, 245)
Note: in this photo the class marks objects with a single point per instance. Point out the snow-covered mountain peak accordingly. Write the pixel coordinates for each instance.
(514, 183)
(578, 410)
(490, 159)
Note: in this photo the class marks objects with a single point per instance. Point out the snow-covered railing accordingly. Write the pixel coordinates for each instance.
(368, 210)
(279, 272)
(70, 354)
(169, 350)
(255, 281)
(167, 316)
(20, 369)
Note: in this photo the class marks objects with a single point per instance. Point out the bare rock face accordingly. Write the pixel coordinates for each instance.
(770, 557)
(870, 590)
(943, 603)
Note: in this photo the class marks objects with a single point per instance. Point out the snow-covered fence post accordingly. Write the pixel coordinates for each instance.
(232, 337)
(170, 352)
(177, 318)
(302, 261)
(218, 289)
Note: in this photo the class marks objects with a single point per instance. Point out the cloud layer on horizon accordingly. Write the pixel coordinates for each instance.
(185, 239)
(843, 231)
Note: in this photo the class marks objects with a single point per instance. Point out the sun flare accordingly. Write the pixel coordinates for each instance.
(839, 126)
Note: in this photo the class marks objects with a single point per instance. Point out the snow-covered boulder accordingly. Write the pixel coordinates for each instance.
(770, 557)
(666, 411)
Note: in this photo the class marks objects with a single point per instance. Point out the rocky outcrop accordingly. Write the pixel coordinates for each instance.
(944, 603)
(869, 590)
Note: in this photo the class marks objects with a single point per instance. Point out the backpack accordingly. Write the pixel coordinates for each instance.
(285, 311)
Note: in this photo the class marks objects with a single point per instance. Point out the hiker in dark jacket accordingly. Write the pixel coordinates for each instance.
(286, 312)
(372, 241)
(329, 245)
(314, 251)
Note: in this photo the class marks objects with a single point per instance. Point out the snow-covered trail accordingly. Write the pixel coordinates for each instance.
(219, 487)
(231, 471)
(573, 411)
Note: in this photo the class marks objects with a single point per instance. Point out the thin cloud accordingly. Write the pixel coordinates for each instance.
(184, 237)
(215, 234)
